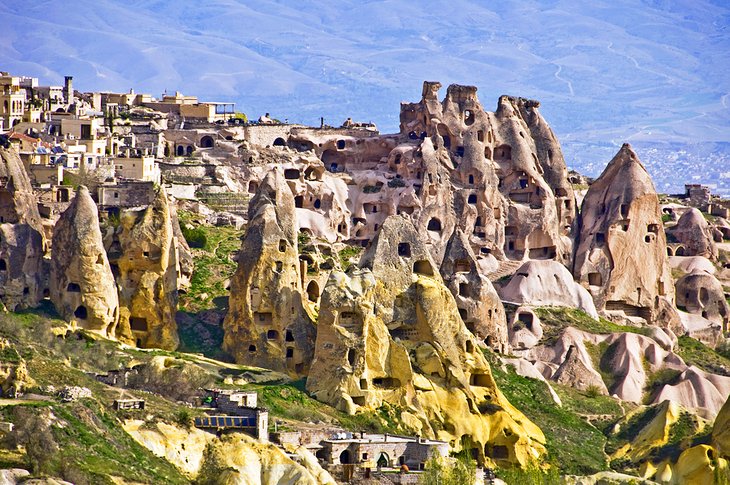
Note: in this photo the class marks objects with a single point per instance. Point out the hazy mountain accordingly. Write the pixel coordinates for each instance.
(655, 73)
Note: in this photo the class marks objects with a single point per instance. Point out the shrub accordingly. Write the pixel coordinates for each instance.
(195, 236)
(395, 183)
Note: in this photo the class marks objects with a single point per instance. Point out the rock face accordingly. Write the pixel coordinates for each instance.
(390, 334)
(702, 294)
(23, 273)
(547, 283)
(695, 235)
(513, 146)
(573, 372)
(267, 323)
(479, 305)
(621, 230)
(81, 282)
(144, 259)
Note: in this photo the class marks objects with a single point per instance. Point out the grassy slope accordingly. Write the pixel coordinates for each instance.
(92, 446)
(202, 308)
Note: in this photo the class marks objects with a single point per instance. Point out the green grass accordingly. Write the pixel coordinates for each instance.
(291, 402)
(574, 445)
(555, 319)
(698, 354)
(347, 254)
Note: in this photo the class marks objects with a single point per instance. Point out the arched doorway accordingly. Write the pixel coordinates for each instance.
(189, 151)
(345, 457)
(180, 150)
(383, 460)
(206, 142)
(279, 142)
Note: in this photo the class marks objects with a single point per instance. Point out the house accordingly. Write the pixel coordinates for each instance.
(238, 413)
(136, 164)
(380, 450)
(12, 101)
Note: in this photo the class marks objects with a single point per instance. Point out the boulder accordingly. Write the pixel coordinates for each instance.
(621, 230)
(268, 323)
(82, 285)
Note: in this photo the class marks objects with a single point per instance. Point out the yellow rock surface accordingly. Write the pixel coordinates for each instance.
(234, 459)
(721, 431)
(654, 435)
(391, 335)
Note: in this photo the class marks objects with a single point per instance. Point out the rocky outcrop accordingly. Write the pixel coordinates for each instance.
(479, 305)
(389, 334)
(621, 230)
(513, 145)
(144, 259)
(81, 285)
(694, 233)
(702, 294)
(231, 459)
(547, 283)
(23, 273)
(574, 373)
(267, 322)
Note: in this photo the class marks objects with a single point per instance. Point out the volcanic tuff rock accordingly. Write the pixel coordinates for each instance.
(82, 285)
(513, 146)
(267, 322)
(389, 334)
(621, 247)
(702, 294)
(479, 305)
(23, 272)
(695, 234)
(144, 258)
(547, 283)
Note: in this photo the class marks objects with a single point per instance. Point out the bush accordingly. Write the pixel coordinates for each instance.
(195, 236)
(395, 183)
(442, 471)
(33, 430)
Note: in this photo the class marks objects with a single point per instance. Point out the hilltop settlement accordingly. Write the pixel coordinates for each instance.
(194, 296)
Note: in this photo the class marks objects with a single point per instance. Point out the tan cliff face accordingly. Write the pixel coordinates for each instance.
(82, 286)
(23, 272)
(390, 333)
(512, 147)
(144, 259)
(621, 247)
(268, 324)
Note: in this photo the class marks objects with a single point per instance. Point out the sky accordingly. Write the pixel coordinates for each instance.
(653, 73)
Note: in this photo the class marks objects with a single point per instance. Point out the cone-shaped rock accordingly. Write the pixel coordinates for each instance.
(23, 274)
(267, 324)
(479, 305)
(389, 334)
(81, 282)
(621, 248)
(145, 257)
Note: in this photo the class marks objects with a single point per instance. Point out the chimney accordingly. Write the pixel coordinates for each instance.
(68, 90)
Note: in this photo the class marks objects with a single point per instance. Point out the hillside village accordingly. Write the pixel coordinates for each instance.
(418, 282)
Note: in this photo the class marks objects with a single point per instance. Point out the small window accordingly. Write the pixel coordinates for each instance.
(272, 335)
(340, 144)
(404, 250)
(73, 288)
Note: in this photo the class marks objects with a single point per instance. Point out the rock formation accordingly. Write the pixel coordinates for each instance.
(702, 294)
(144, 259)
(621, 231)
(390, 334)
(23, 273)
(267, 322)
(479, 305)
(547, 283)
(694, 233)
(82, 286)
(515, 145)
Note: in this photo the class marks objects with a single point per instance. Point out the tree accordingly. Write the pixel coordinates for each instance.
(450, 471)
